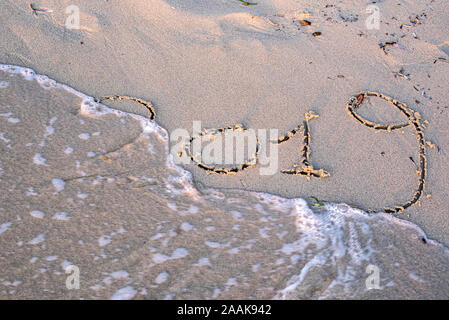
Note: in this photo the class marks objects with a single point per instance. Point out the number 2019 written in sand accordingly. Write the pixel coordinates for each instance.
(305, 168)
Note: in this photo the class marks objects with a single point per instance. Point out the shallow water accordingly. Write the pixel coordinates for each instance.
(89, 186)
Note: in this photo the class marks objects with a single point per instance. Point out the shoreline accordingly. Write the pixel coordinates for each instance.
(290, 66)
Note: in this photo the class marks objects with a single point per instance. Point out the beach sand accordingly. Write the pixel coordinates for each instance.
(221, 64)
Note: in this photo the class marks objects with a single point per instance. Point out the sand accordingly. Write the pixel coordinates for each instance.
(220, 64)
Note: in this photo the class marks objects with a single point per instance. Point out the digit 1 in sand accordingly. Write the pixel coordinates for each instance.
(304, 168)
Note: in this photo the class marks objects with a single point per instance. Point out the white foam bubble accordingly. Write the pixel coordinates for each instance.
(84, 136)
(37, 214)
(51, 258)
(126, 293)
(203, 262)
(3, 138)
(104, 240)
(180, 253)
(38, 159)
(49, 130)
(39, 239)
(58, 184)
(9, 118)
(13, 120)
(31, 192)
(213, 244)
(120, 275)
(160, 258)
(62, 216)
(5, 226)
(161, 278)
(185, 226)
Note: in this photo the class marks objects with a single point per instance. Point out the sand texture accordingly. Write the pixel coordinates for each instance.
(223, 63)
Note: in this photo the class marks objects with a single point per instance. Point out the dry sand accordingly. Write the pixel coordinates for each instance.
(215, 62)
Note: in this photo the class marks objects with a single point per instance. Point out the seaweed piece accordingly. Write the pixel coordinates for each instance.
(246, 3)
